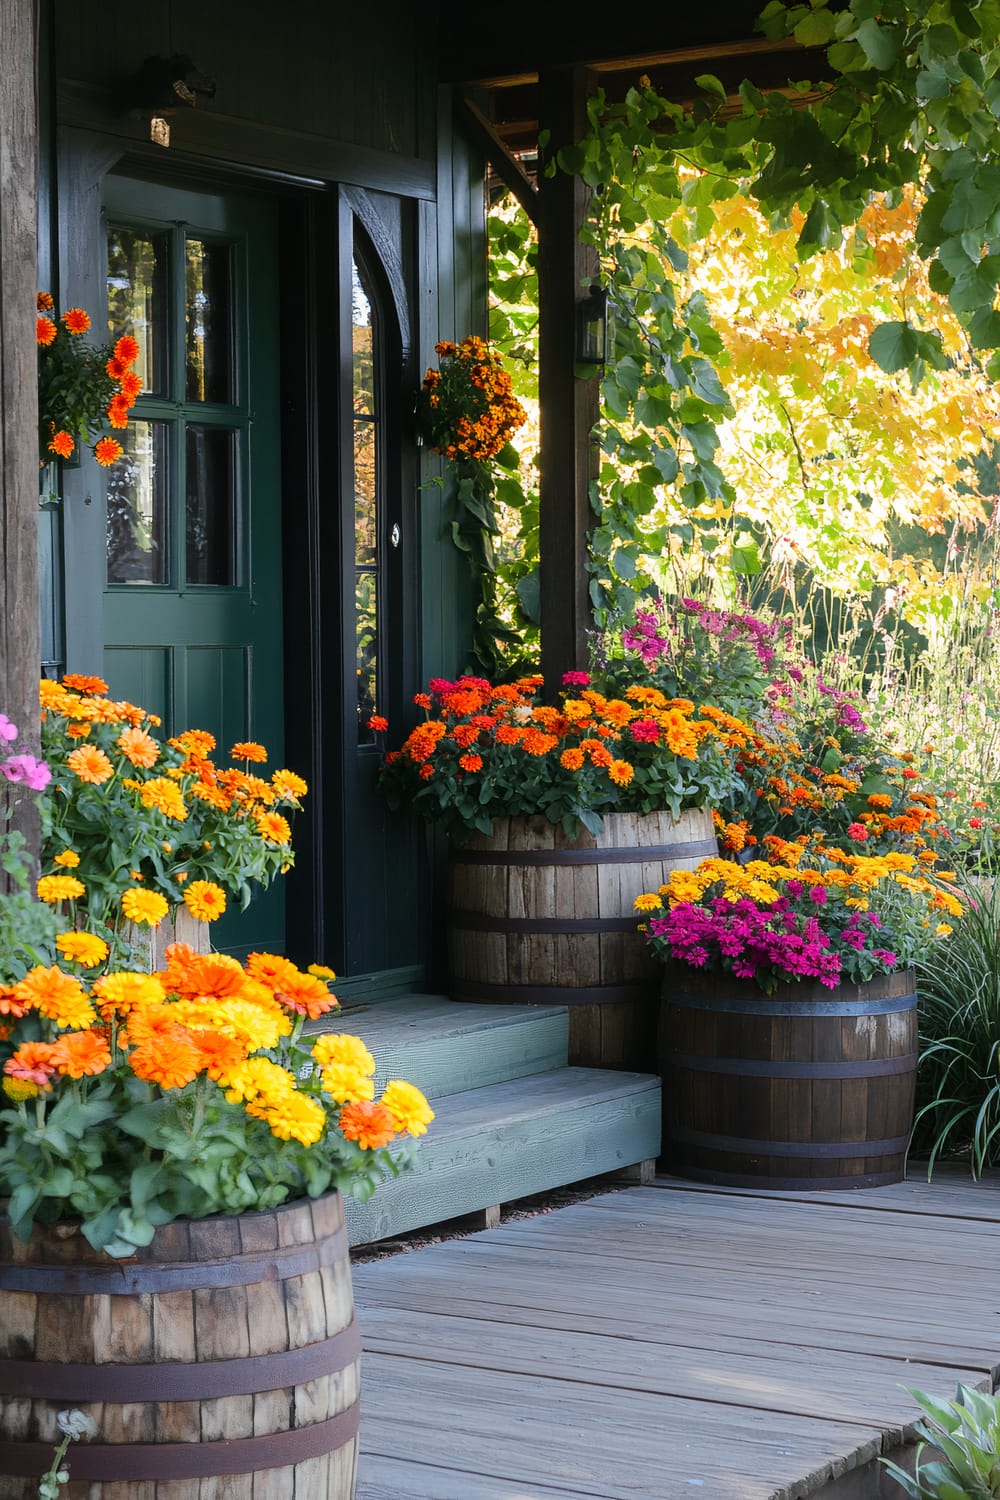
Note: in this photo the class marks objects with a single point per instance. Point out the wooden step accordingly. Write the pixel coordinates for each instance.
(508, 1140)
(448, 1048)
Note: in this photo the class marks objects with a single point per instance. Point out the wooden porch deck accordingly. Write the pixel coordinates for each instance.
(672, 1341)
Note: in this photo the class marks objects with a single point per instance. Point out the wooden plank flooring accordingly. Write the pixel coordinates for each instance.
(675, 1340)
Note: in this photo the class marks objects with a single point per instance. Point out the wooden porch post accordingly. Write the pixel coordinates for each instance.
(569, 407)
(19, 631)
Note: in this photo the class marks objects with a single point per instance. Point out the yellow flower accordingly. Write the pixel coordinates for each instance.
(346, 1083)
(294, 1117)
(320, 971)
(647, 902)
(287, 784)
(84, 948)
(205, 900)
(274, 828)
(259, 1079)
(56, 888)
(148, 907)
(67, 859)
(18, 1089)
(338, 1047)
(125, 992)
(165, 796)
(943, 930)
(408, 1107)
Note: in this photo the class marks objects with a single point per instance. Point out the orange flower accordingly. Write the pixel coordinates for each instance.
(248, 750)
(90, 764)
(76, 320)
(621, 772)
(205, 900)
(131, 385)
(81, 1054)
(58, 997)
(61, 444)
(305, 994)
(108, 451)
(274, 828)
(471, 762)
(140, 747)
(79, 682)
(270, 969)
(45, 331)
(9, 1005)
(44, 302)
(117, 412)
(169, 1060)
(378, 723)
(220, 1054)
(371, 1125)
(127, 349)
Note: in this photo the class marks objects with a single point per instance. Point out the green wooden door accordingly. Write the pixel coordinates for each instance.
(192, 603)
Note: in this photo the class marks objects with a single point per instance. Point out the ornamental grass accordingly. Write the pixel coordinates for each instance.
(490, 750)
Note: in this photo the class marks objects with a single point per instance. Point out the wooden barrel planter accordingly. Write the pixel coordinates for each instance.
(224, 1350)
(806, 1088)
(536, 917)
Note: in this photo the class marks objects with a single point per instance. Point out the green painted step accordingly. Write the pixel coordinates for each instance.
(444, 1047)
(508, 1140)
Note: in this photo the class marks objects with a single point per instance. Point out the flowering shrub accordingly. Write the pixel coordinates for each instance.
(691, 650)
(489, 751)
(840, 918)
(467, 408)
(135, 1098)
(81, 389)
(812, 769)
(132, 827)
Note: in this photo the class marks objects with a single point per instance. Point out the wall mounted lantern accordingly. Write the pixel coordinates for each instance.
(593, 327)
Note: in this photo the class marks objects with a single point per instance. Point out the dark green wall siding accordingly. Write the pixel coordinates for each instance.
(358, 73)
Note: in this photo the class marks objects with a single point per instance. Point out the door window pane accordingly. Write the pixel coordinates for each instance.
(137, 507)
(208, 321)
(210, 512)
(137, 299)
(363, 341)
(366, 494)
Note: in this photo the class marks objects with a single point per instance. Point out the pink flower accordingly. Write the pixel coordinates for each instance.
(8, 731)
(857, 831)
(644, 729)
(34, 773)
(576, 679)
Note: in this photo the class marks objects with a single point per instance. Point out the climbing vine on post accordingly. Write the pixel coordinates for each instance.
(912, 97)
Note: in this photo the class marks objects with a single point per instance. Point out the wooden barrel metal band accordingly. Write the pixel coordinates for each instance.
(179, 1276)
(629, 855)
(772, 1006)
(178, 1381)
(870, 1067)
(472, 921)
(795, 1184)
(740, 1145)
(134, 1462)
(479, 991)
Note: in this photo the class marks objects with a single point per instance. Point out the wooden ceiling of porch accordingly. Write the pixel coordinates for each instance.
(672, 47)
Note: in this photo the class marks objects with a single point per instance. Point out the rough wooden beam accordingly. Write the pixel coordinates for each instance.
(569, 407)
(20, 648)
(504, 163)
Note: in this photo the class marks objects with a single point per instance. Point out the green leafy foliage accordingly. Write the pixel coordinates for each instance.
(966, 1432)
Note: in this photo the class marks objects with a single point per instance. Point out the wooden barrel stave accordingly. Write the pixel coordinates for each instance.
(830, 1094)
(163, 1343)
(559, 927)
